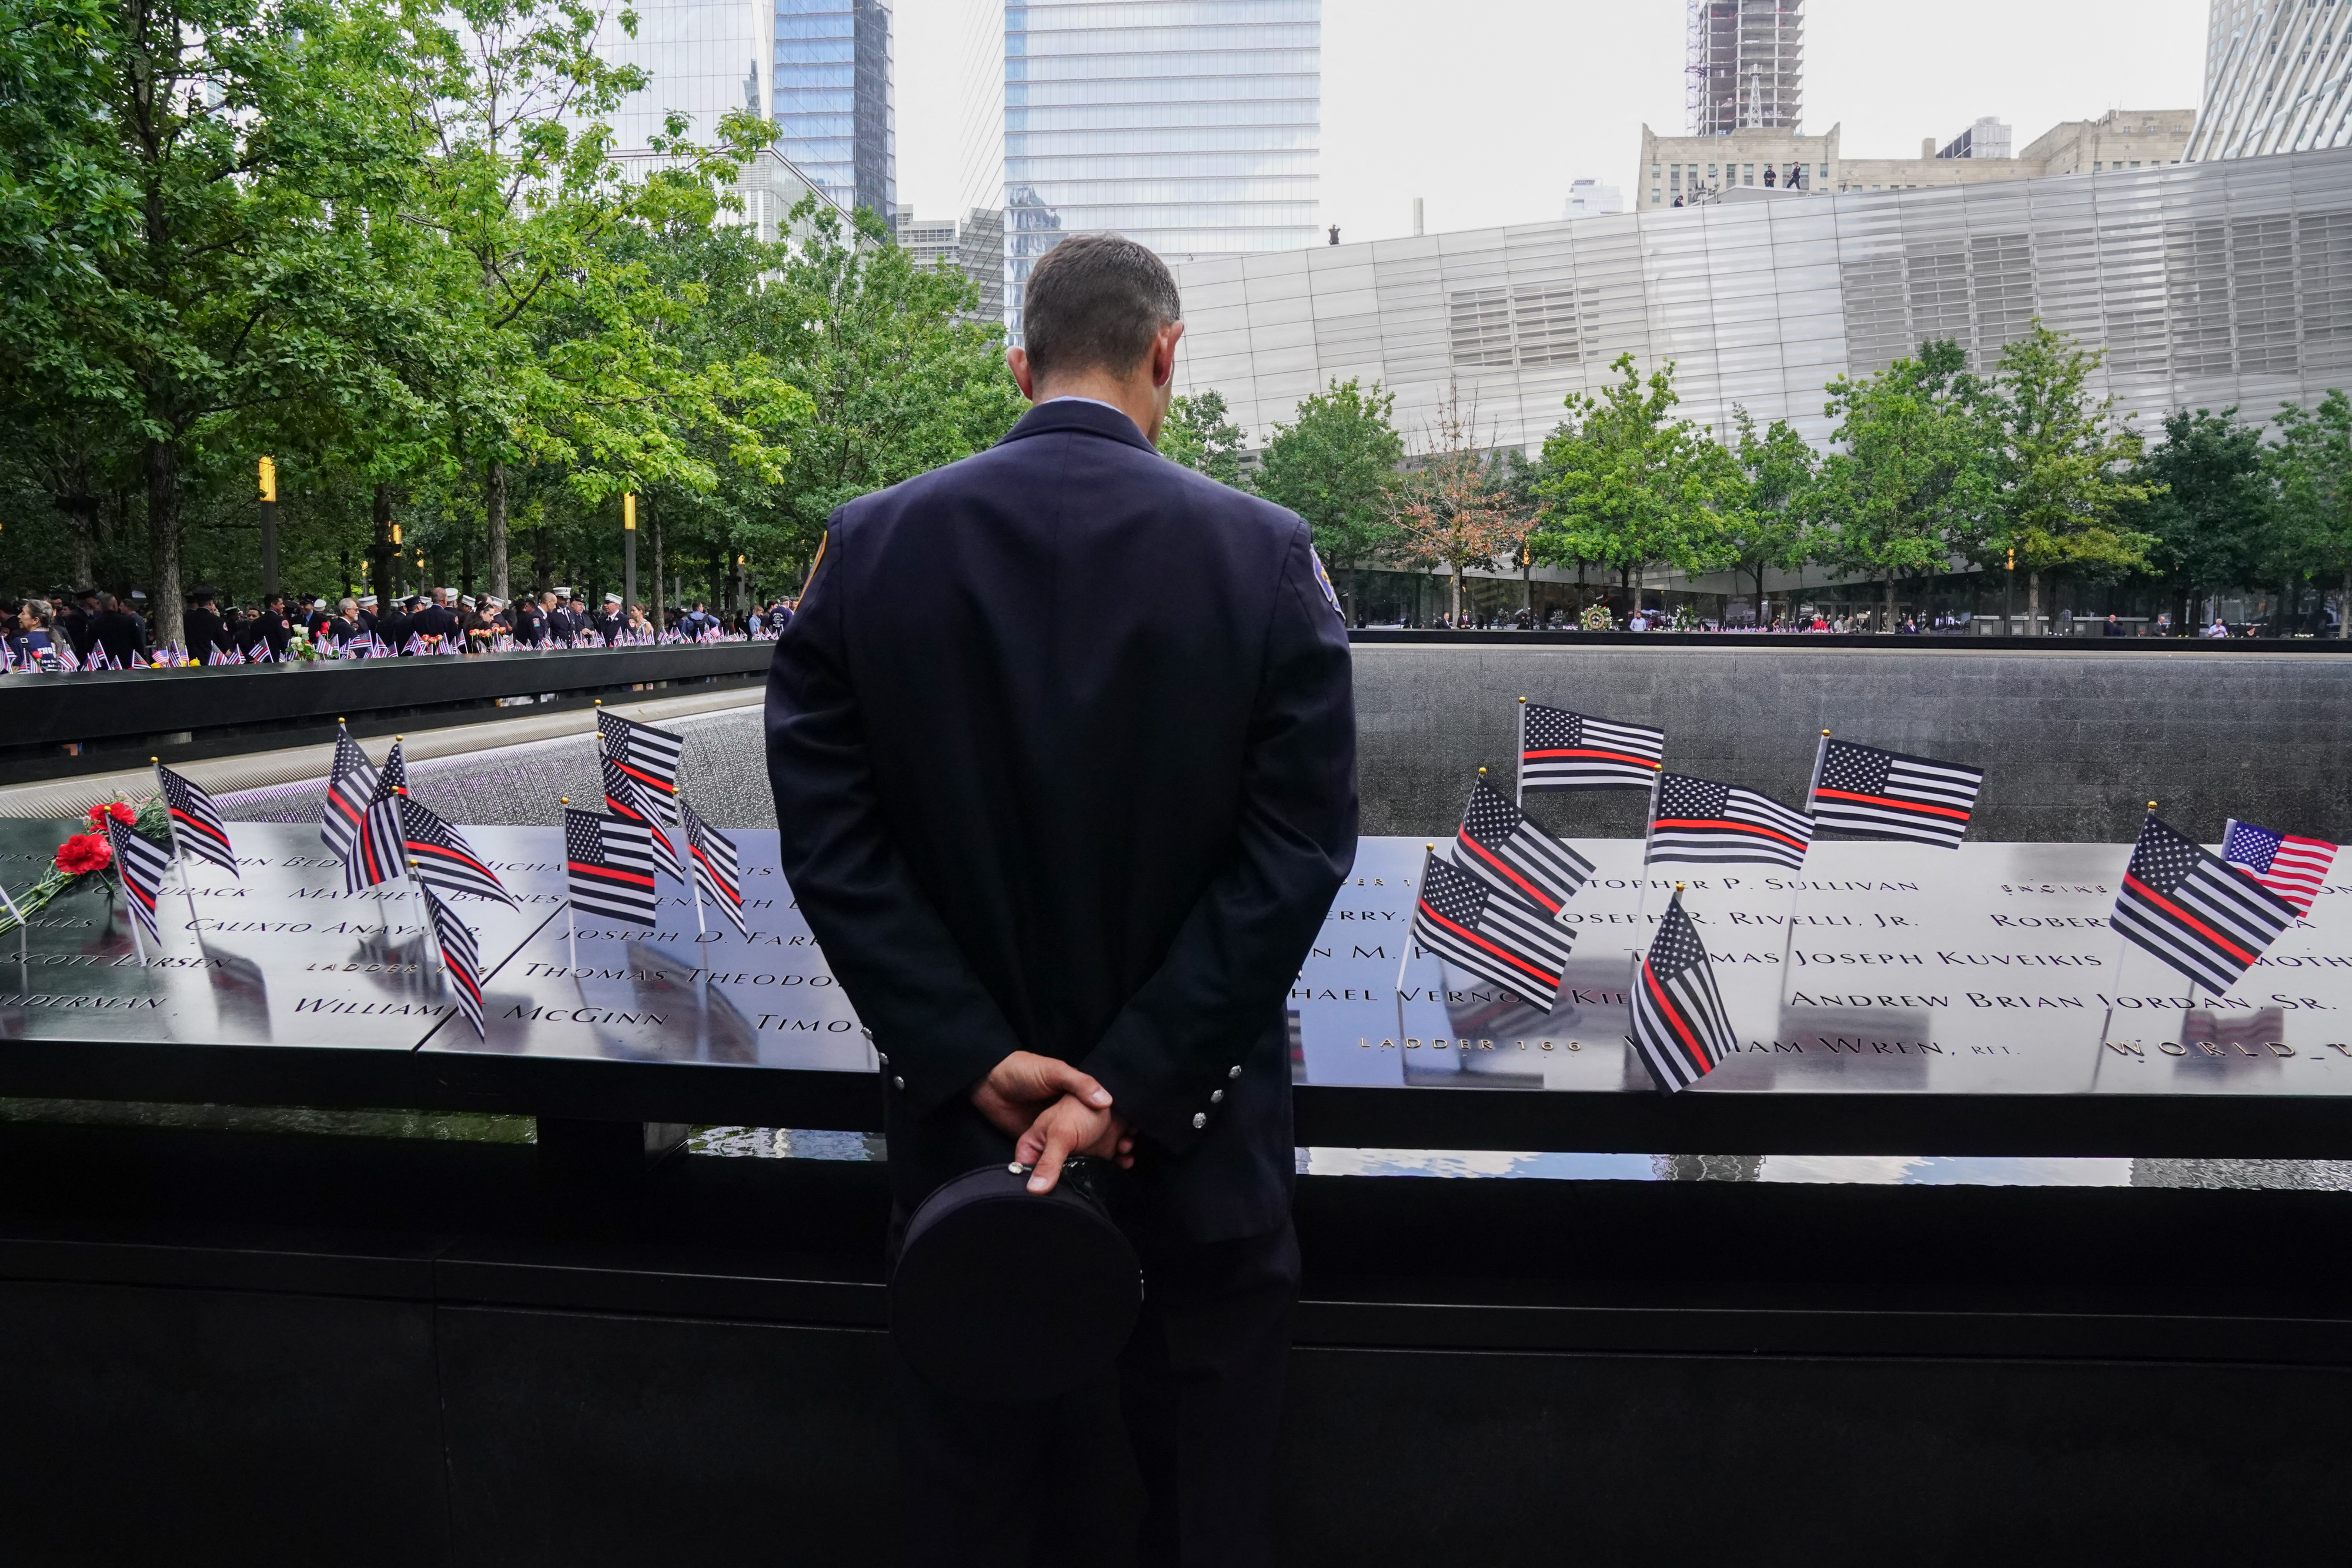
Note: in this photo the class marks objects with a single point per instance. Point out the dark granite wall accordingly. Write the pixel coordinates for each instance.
(2074, 744)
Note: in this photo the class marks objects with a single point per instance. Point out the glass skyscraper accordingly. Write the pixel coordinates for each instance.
(1190, 125)
(832, 99)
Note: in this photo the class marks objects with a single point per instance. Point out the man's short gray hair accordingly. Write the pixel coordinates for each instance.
(1094, 302)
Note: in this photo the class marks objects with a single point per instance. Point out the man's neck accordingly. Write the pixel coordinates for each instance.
(1134, 397)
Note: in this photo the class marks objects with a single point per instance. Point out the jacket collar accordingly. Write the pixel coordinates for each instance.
(1075, 413)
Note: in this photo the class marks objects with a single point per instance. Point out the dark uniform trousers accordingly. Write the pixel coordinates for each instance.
(1199, 1389)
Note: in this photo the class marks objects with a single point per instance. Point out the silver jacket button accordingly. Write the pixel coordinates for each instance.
(1219, 1095)
(1199, 1120)
(1237, 1073)
(898, 1083)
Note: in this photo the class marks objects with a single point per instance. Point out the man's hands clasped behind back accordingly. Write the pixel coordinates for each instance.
(1052, 1110)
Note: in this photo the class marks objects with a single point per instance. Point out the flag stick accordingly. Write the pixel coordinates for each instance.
(570, 921)
(137, 940)
(1789, 927)
(23, 961)
(2123, 944)
(1406, 957)
(1520, 767)
(171, 827)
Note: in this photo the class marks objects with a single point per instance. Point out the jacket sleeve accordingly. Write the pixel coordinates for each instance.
(885, 941)
(1170, 1052)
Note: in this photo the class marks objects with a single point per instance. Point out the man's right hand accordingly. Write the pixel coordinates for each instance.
(1024, 1083)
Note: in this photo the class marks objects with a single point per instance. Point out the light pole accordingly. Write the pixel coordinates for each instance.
(268, 530)
(628, 552)
(2008, 593)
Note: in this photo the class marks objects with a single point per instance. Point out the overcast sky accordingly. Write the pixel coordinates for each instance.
(1487, 108)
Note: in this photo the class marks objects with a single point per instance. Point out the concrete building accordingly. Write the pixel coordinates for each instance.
(1988, 137)
(973, 245)
(2276, 79)
(1744, 66)
(1591, 199)
(1192, 127)
(1691, 169)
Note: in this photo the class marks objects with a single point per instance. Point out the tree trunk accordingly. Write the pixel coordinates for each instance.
(163, 468)
(1759, 599)
(2033, 603)
(494, 503)
(380, 552)
(1457, 614)
(1890, 602)
(1638, 590)
(654, 614)
(83, 512)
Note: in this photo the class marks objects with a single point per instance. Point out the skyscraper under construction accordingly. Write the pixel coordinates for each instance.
(1746, 69)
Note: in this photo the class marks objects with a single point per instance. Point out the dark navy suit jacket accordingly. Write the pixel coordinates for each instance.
(1063, 750)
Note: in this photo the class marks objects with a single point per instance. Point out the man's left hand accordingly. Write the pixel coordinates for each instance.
(1071, 1126)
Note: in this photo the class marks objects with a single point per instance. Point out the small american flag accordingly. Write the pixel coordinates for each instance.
(350, 786)
(392, 778)
(1513, 943)
(609, 867)
(1679, 1026)
(379, 853)
(1875, 794)
(439, 856)
(2195, 911)
(196, 825)
(649, 756)
(717, 869)
(1564, 750)
(460, 955)
(625, 797)
(1697, 820)
(2292, 867)
(1497, 845)
(140, 863)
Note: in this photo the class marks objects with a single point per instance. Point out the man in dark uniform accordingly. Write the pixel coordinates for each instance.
(118, 630)
(1063, 746)
(560, 629)
(75, 622)
(395, 622)
(270, 627)
(437, 620)
(208, 633)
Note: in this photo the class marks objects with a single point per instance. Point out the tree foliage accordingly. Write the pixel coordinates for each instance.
(1335, 465)
(1629, 484)
(1199, 434)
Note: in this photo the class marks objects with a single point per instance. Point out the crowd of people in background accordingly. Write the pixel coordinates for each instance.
(89, 629)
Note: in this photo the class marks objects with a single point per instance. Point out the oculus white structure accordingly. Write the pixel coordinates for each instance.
(2278, 78)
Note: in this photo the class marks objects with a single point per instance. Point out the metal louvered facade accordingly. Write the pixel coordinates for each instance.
(2208, 286)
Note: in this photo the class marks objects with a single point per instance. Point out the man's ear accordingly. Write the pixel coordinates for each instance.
(1017, 362)
(1163, 353)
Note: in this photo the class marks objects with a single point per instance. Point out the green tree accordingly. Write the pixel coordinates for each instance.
(253, 141)
(901, 379)
(2311, 471)
(2210, 503)
(1335, 465)
(2064, 466)
(1628, 484)
(1916, 475)
(1199, 434)
(1764, 522)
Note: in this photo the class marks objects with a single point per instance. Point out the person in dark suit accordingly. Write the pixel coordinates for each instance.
(75, 622)
(118, 630)
(270, 627)
(395, 622)
(208, 633)
(437, 620)
(1062, 741)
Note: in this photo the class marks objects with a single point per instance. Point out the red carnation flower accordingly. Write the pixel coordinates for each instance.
(120, 810)
(84, 853)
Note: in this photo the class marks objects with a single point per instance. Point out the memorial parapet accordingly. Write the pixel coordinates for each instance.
(1890, 999)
